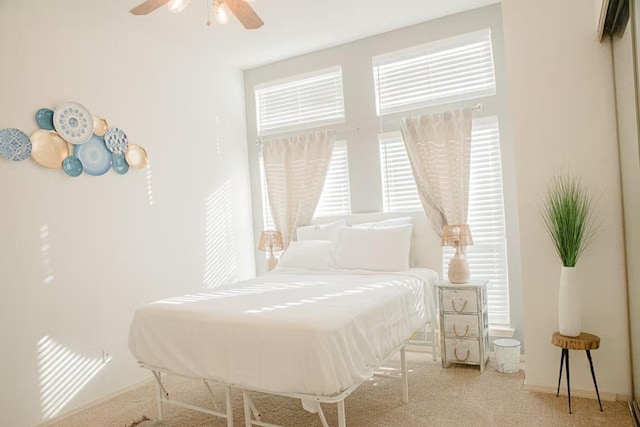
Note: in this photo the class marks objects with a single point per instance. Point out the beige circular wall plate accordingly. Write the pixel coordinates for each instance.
(136, 156)
(48, 149)
(100, 126)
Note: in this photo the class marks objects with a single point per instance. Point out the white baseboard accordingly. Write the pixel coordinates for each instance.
(588, 394)
(64, 415)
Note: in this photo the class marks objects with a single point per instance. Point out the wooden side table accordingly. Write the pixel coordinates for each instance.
(585, 342)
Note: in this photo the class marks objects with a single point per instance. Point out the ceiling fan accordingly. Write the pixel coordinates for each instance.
(240, 8)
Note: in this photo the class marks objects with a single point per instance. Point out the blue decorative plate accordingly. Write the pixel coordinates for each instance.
(73, 122)
(44, 118)
(94, 155)
(116, 140)
(14, 144)
(120, 164)
(72, 166)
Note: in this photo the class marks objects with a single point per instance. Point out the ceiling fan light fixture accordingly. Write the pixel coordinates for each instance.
(220, 12)
(177, 6)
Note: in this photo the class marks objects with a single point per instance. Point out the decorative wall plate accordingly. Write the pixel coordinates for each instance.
(100, 126)
(48, 149)
(72, 166)
(116, 140)
(44, 118)
(14, 144)
(94, 155)
(136, 156)
(73, 122)
(120, 164)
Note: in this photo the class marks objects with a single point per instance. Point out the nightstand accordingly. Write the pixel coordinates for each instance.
(464, 329)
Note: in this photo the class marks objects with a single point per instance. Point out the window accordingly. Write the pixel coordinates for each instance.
(336, 194)
(437, 75)
(488, 255)
(399, 189)
(444, 71)
(300, 102)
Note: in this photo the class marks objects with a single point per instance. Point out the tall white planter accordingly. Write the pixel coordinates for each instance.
(569, 307)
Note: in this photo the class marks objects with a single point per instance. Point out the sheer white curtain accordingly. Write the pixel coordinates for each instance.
(295, 169)
(439, 149)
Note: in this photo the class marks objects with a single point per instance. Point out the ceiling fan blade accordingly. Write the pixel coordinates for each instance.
(148, 7)
(245, 14)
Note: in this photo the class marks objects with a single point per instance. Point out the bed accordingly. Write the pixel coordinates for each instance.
(302, 333)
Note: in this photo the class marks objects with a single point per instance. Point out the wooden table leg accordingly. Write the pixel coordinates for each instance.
(566, 361)
(593, 375)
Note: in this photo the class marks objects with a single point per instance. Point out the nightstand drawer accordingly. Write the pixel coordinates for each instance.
(459, 301)
(461, 326)
(462, 351)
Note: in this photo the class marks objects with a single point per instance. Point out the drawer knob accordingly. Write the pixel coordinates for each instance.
(466, 332)
(455, 353)
(453, 305)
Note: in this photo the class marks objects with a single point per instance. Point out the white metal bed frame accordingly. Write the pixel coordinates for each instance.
(251, 414)
(425, 252)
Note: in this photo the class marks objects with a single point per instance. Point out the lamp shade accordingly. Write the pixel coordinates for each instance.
(270, 241)
(456, 235)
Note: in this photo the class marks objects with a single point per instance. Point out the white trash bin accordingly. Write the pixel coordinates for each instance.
(507, 355)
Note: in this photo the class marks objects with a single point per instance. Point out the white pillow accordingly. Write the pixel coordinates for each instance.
(378, 249)
(391, 222)
(321, 231)
(308, 254)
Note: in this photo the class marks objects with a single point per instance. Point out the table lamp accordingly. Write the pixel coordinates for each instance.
(457, 235)
(271, 241)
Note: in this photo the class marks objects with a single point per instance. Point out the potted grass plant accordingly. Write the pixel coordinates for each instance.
(567, 211)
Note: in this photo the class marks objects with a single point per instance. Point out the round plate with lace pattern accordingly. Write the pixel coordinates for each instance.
(73, 122)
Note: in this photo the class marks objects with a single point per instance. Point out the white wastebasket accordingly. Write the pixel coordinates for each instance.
(507, 355)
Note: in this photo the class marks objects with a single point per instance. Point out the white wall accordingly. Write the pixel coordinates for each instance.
(106, 246)
(562, 102)
(363, 149)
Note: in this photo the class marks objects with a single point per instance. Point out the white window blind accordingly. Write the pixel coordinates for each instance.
(300, 102)
(336, 194)
(488, 255)
(399, 189)
(444, 71)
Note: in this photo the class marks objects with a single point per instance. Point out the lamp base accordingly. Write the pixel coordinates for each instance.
(458, 269)
(272, 261)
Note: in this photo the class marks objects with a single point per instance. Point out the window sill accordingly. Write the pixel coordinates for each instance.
(500, 331)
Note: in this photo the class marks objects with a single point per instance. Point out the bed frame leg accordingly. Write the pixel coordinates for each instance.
(342, 420)
(434, 344)
(323, 419)
(229, 408)
(158, 376)
(405, 377)
(254, 410)
(247, 409)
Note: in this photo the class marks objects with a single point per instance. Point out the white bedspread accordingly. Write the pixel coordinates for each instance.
(285, 332)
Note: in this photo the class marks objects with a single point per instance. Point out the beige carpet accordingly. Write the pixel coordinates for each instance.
(458, 396)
